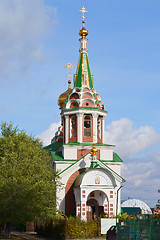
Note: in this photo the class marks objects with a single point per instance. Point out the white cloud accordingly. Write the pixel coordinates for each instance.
(23, 26)
(49, 133)
(143, 180)
(130, 141)
(141, 173)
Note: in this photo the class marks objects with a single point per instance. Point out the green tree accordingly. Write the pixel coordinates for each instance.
(27, 179)
(158, 202)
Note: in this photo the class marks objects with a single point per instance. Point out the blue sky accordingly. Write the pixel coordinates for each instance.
(38, 38)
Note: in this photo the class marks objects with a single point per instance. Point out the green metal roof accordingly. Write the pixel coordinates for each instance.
(69, 109)
(54, 146)
(57, 156)
(88, 144)
(83, 68)
(116, 158)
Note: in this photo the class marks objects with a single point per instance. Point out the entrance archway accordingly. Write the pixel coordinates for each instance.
(97, 204)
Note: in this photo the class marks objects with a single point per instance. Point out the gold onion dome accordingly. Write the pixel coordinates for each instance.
(94, 150)
(63, 97)
(83, 32)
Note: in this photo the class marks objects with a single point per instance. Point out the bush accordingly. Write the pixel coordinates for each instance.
(54, 228)
(69, 228)
(77, 228)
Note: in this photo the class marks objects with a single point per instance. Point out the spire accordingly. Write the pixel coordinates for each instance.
(83, 77)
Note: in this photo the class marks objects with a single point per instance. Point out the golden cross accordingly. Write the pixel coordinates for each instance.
(83, 11)
(69, 66)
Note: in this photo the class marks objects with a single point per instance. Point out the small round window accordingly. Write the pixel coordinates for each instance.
(87, 104)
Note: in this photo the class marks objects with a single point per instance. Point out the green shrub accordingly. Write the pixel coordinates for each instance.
(77, 228)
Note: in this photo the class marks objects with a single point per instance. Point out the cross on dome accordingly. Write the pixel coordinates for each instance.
(83, 12)
(69, 66)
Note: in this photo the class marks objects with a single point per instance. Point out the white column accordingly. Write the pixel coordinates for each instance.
(103, 122)
(94, 127)
(66, 129)
(79, 127)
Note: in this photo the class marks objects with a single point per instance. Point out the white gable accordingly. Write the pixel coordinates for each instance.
(97, 177)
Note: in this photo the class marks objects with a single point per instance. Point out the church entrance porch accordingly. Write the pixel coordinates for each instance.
(95, 194)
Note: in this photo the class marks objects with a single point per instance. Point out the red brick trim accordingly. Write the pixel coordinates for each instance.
(82, 152)
(70, 204)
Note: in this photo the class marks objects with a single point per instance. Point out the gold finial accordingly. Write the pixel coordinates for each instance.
(83, 12)
(83, 32)
(69, 66)
(94, 150)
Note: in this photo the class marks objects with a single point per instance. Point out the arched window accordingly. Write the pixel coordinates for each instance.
(87, 125)
(73, 127)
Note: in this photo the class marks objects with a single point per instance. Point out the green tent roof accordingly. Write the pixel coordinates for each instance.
(83, 68)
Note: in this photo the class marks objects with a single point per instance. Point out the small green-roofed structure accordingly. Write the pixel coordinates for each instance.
(131, 210)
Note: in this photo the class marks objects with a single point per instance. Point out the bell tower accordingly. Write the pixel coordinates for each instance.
(82, 109)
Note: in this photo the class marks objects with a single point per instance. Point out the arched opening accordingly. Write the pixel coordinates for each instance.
(97, 204)
(74, 96)
(87, 126)
(92, 209)
(73, 128)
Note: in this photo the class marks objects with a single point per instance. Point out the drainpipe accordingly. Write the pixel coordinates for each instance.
(117, 202)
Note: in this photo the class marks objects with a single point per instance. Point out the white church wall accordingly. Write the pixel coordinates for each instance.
(69, 152)
(60, 199)
(60, 166)
(116, 167)
(106, 154)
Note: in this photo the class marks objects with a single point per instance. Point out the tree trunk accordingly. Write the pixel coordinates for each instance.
(7, 230)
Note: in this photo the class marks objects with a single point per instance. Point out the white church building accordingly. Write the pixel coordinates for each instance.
(89, 170)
